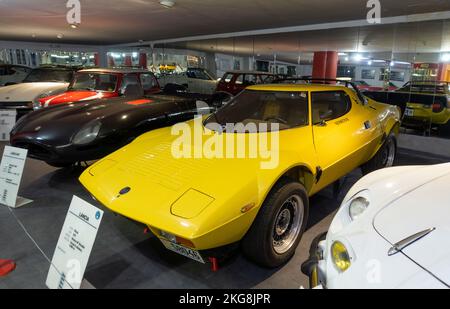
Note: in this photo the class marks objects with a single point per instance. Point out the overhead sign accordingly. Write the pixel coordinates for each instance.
(7, 122)
(74, 245)
(11, 171)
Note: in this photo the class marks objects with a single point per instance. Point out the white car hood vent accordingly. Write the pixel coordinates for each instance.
(427, 207)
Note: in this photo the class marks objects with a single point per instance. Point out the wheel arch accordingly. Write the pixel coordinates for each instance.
(299, 173)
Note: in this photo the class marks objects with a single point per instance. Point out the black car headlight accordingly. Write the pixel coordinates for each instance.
(88, 133)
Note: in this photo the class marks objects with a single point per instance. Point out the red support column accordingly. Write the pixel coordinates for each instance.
(143, 60)
(325, 65)
(128, 62)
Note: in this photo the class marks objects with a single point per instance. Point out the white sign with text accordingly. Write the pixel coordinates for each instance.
(11, 171)
(7, 123)
(74, 245)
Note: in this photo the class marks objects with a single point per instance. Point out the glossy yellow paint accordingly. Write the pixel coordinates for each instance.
(426, 114)
(202, 200)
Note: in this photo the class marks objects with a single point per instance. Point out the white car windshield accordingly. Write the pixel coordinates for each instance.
(199, 74)
(49, 75)
(94, 82)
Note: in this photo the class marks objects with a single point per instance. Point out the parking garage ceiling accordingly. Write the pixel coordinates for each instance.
(128, 21)
(406, 41)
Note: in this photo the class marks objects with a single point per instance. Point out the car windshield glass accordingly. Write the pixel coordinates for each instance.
(431, 88)
(361, 83)
(46, 75)
(287, 109)
(95, 82)
(199, 74)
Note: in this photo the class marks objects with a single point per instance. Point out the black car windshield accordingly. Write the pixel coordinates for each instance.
(94, 82)
(286, 109)
(49, 75)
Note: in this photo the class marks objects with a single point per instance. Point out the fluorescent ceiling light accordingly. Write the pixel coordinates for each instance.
(402, 62)
(167, 3)
(359, 57)
(445, 58)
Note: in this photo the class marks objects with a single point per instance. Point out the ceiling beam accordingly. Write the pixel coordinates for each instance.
(324, 26)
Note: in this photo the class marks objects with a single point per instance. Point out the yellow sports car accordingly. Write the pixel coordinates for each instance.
(428, 102)
(245, 173)
(424, 103)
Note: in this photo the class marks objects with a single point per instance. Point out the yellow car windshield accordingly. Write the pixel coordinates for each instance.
(286, 109)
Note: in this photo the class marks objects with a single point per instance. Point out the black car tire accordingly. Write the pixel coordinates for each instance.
(384, 158)
(259, 243)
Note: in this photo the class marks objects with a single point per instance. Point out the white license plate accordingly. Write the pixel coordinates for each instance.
(409, 112)
(189, 253)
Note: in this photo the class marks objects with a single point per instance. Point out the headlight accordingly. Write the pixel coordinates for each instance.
(88, 133)
(340, 256)
(37, 104)
(358, 205)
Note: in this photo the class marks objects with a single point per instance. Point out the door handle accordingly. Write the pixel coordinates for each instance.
(367, 125)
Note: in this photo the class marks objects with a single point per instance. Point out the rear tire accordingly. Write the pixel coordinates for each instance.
(279, 225)
(385, 157)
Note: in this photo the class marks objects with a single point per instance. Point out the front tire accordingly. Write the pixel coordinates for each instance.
(279, 225)
(385, 157)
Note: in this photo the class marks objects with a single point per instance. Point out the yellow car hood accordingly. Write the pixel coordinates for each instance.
(188, 195)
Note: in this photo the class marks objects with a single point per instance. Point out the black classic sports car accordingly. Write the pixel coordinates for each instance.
(66, 134)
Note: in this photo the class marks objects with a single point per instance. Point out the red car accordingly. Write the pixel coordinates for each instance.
(92, 84)
(234, 82)
(364, 86)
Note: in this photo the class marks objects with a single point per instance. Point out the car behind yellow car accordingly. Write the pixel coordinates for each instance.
(195, 201)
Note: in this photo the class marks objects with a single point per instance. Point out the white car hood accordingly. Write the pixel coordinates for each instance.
(27, 92)
(425, 205)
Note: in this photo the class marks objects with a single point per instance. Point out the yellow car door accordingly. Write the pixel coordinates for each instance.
(343, 130)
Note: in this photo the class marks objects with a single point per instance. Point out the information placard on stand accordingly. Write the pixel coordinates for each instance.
(74, 245)
(11, 171)
(7, 122)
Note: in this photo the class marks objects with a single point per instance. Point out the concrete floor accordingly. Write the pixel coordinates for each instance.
(123, 257)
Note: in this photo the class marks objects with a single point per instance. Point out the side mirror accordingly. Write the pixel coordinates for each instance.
(322, 123)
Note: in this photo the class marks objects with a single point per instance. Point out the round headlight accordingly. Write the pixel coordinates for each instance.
(357, 207)
(88, 133)
(340, 256)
